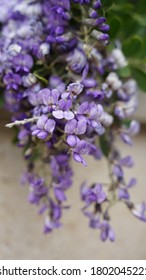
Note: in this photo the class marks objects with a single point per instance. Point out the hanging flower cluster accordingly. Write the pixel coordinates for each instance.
(61, 83)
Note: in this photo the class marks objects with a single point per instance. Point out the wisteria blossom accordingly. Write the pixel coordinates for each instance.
(61, 84)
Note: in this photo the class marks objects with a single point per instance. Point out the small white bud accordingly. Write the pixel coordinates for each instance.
(14, 49)
(119, 58)
(29, 80)
(45, 48)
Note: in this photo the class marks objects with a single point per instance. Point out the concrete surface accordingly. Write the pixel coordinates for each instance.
(21, 234)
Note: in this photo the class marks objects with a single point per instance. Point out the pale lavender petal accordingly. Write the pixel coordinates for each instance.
(89, 82)
(45, 95)
(95, 124)
(65, 105)
(99, 110)
(65, 95)
(111, 235)
(131, 183)
(100, 194)
(40, 97)
(93, 111)
(75, 88)
(140, 211)
(81, 127)
(68, 115)
(134, 127)
(117, 171)
(127, 161)
(83, 108)
(35, 132)
(33, 99)
(82, 147)
(59, 114)
(126, 139)
(59, 194)
(50, 125)
(70, 126)
(42, 134)
(101, 197)
(55, 95)
(72, 140)
(41, 121)
(79, 159)
(123, 194)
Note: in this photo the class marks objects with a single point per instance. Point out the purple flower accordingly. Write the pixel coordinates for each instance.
(134, 128)
(81, 148)
(59, 194)
(61, 173)
(82, 1)
(97, 4)
(93, 194)
(48, 97)
(126, 139)
(59, 114)
(23, 137)
(91, 112)
(89, 83)
(64, 111)
(45, 97)
(140, 211)
(56, 83)
(57, 73)
(95, 151)
(94, 220)
(23, 62)
(75, 127)
(117, 171)
(127, 161)
(37, 189)
(73, 90)
(123, 193)
(12, 81)
(77, 61)
(132, 183)
(78, 148)
(106, 232)
(50, 225)
(44, 127)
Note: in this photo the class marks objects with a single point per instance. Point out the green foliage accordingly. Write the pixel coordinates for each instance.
(128, 25)
(124, 72)
(132, 46)
(140, 76)
(104, 145)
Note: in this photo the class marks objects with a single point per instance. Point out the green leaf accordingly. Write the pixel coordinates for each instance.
(143, 50)
(104, 145)
(124, 72)
(115, 25)
(132, 46)
(140, 76)
(126, 123)
(139, 19)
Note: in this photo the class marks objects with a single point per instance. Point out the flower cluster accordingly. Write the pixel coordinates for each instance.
(62, 86)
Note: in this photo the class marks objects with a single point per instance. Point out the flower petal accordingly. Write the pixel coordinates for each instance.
(50, 125)
(59, 114)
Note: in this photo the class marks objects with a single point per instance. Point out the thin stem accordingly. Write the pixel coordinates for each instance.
(17, 122)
